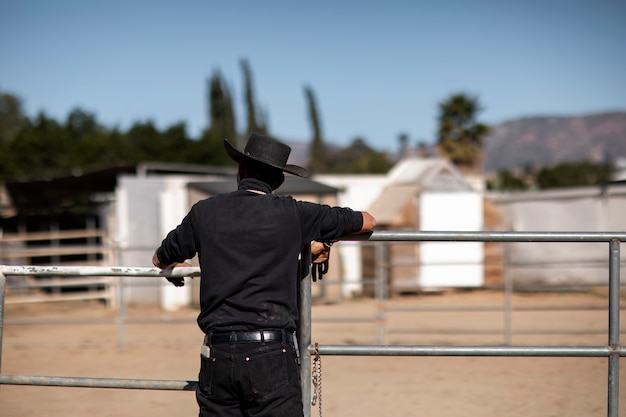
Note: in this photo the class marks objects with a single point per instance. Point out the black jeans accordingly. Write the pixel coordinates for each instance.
(250, 379)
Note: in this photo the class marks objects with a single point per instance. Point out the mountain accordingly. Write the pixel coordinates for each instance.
(546, 141)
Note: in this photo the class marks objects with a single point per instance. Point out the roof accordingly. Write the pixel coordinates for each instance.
(151, 167)
(47, 194)
(291, 186)
(429, 173)
(392, 200)
(411, 176)
(552, 194)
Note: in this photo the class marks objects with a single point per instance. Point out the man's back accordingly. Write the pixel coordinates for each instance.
(248, 244)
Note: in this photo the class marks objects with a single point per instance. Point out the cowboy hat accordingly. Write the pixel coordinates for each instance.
(268, 151)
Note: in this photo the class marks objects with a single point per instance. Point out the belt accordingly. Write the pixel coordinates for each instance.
(251, 336)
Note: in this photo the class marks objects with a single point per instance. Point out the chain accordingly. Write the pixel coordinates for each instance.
(316, 378)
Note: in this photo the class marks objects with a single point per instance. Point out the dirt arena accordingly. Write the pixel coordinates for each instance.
(351, 386)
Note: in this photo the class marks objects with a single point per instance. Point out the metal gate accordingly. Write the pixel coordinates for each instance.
(612, 350)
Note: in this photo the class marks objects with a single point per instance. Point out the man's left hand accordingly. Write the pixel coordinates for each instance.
(178, 281)
(319, 252)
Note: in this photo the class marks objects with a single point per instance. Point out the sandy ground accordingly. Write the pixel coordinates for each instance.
(351, 386)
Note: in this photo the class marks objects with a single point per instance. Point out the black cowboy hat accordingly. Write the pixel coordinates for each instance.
(268, 151)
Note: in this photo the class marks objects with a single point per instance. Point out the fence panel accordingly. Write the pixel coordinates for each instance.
(613, 351)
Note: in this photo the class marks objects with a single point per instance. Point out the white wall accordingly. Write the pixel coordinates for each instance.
(451, 264)
(147, 209)
(173, 206)
(585, 209)
(357, 192)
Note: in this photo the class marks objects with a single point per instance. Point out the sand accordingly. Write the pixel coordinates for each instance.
(351, 386)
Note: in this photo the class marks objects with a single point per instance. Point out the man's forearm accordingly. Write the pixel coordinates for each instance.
(157, 262)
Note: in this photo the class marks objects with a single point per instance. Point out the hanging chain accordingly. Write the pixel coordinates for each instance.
(316, 378)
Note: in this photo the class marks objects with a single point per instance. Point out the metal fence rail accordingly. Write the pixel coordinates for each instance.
(62, 381)
(613, 351)
(510, 351)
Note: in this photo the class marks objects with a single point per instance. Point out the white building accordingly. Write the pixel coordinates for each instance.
(581, 209)
(419, 194)
(147, 207)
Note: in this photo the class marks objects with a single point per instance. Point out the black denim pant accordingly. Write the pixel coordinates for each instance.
(251, 379)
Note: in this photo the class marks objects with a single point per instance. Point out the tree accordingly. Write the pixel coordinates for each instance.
(318, 147)
(88, 142)
(574, 174)
(566, 174)
(460, 136)
(177, 145)
(256, 122)
(12, 117)
(506, 181)
(358, 158)
(145, 141)
(221, 112)
(209, 150)
(39, 148)
(12, 120)
(403, 142)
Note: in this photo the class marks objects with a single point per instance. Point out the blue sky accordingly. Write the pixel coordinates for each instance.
(377, 69)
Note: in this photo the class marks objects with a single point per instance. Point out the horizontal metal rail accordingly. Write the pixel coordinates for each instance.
(479, 309)
(452, 236)
(522, 351)
(95, 271)
(64, 381)
(495, 332)
(613, 351)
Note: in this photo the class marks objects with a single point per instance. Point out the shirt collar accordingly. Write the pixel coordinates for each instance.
(248, 184)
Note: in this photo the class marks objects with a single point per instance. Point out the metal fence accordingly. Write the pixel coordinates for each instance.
(612, 350)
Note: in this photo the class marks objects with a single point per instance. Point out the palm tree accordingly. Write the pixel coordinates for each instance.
(460, 136)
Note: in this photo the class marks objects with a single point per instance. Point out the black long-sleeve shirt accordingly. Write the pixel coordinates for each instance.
(248, 246)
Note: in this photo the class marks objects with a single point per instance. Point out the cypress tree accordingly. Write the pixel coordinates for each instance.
(256, 122)
(317, 149)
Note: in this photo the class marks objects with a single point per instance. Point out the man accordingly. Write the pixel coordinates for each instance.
(248, 243)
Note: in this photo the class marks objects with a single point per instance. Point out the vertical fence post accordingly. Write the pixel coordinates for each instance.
(3, 286)
(304, 328)
(614, 310)
(508, 294)
(122, 313)
(380, 290)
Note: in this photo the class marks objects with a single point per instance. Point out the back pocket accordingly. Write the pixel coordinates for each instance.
(205, 377)
(268, 371)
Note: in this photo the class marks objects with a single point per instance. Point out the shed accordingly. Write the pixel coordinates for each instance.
(431, 195)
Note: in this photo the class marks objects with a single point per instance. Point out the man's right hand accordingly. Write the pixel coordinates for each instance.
(319, 252)
(177, 281)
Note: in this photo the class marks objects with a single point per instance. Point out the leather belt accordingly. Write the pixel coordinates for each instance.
(250, 336)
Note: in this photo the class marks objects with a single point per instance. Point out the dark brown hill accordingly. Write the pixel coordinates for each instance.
(546, 141)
